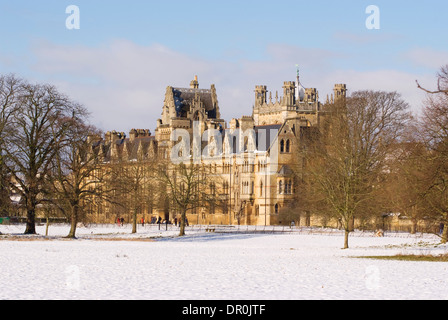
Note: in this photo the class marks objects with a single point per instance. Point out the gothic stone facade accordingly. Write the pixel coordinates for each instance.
(248, 195)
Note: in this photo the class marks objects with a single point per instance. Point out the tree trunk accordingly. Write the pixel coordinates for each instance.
(134, 221)
(30, 221)
(414, 226)
(346, 239)
(46, 226)
(445, 233)
(74, 222)
(183, 216)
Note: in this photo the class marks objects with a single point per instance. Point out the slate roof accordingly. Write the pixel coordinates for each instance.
(184, 96)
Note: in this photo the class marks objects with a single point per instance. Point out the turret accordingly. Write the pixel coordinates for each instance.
(194, 84)
(340, 91)
(311, 95)
(289, 89)
(260, 95)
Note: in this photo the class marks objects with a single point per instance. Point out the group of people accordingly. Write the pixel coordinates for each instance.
(120, 221)
(154, 220)
(176, 221)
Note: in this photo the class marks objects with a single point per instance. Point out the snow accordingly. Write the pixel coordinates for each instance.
(108, 262)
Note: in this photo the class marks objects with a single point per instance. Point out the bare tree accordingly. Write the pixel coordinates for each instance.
(9, 92)
(30, 151)
(134, 184)
(76, 175)
(407, 182)
(434, 129)
(345, 164)
(187, 185)
(442, 82)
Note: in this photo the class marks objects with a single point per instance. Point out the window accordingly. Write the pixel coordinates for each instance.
(288, 187)
(226, 187)
(280, 187)
(287, 146)
(282, 146)
(276, 208)
(224, 207)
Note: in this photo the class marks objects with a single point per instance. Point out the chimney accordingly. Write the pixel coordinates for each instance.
(133, 134)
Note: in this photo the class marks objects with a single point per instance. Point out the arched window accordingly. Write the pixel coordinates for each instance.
(276, 208)
(287, 145)
(282, 146)
(280, 187)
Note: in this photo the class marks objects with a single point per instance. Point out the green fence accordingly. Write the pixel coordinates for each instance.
(5, 220)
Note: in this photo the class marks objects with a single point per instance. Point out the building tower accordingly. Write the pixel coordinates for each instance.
(260, 95)
(340, 91)
(289, 89)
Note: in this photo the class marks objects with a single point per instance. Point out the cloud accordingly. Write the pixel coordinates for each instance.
(123, 84)
(426, 57)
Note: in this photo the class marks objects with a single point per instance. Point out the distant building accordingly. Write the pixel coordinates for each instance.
(247, 195)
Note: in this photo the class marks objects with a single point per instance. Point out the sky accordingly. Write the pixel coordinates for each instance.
(124, 54)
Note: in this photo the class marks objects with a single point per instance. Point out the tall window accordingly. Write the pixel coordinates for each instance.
(226, 187)
(288, 186)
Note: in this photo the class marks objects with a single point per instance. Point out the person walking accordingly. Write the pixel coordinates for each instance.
(159, 221)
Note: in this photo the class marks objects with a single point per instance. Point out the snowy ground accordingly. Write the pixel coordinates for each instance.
(157, 265)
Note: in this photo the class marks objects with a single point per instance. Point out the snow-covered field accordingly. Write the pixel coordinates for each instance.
(157, 265)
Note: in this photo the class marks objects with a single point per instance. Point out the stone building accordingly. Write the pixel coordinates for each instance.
(257, 168)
